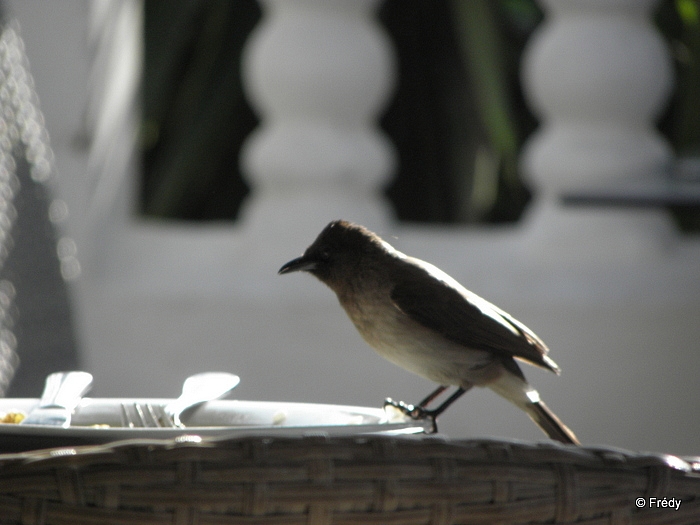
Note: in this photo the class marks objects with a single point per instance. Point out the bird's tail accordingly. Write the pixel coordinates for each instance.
(516, 390)
(550, 423)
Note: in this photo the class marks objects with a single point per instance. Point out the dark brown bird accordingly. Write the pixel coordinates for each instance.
(420, 318)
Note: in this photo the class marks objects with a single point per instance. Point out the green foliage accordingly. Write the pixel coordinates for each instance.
(679, 22)
(458, 118)
(195, 116)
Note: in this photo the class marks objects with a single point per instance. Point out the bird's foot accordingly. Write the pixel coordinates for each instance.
(416, 412)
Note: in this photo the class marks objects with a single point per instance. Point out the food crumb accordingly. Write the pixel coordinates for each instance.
(13, 417)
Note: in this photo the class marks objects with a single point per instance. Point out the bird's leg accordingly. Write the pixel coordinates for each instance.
(415, 411)
(439, 410)
(420, 412)
(430, 397)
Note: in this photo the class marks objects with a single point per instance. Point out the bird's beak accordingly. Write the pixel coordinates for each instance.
(300, 264)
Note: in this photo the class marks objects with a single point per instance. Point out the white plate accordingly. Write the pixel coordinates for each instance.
(221, 418)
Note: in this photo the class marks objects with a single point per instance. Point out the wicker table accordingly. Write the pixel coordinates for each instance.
(343, 480)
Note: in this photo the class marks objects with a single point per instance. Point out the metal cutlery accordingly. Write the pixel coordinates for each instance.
(62, 393)
(196, 389)
(144, 415)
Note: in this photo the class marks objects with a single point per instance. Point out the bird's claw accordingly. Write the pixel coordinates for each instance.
(412, 411)
(415, 412)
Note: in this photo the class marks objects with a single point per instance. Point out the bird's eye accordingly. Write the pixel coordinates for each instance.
(324, 255)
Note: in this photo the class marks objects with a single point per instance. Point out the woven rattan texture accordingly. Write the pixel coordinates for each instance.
(320, 481)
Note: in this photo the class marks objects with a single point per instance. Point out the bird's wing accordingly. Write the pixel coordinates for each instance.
(442, 304)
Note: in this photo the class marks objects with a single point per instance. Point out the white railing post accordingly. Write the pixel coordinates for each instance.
(597, 74)
(317, 73)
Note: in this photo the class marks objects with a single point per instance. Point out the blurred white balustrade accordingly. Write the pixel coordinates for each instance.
(615, 293)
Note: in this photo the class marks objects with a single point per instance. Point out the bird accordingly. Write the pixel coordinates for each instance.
(421, 319)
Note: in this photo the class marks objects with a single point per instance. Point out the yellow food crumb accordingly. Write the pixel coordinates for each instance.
(12, 417)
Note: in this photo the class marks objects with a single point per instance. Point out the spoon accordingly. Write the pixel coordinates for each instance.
(198, 389)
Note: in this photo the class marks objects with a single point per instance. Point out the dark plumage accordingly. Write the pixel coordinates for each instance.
(421, 319)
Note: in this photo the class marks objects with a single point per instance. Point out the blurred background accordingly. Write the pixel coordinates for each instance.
(543, 154)
(457, 117)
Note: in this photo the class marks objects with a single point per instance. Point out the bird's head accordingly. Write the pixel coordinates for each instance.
(340, 252)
